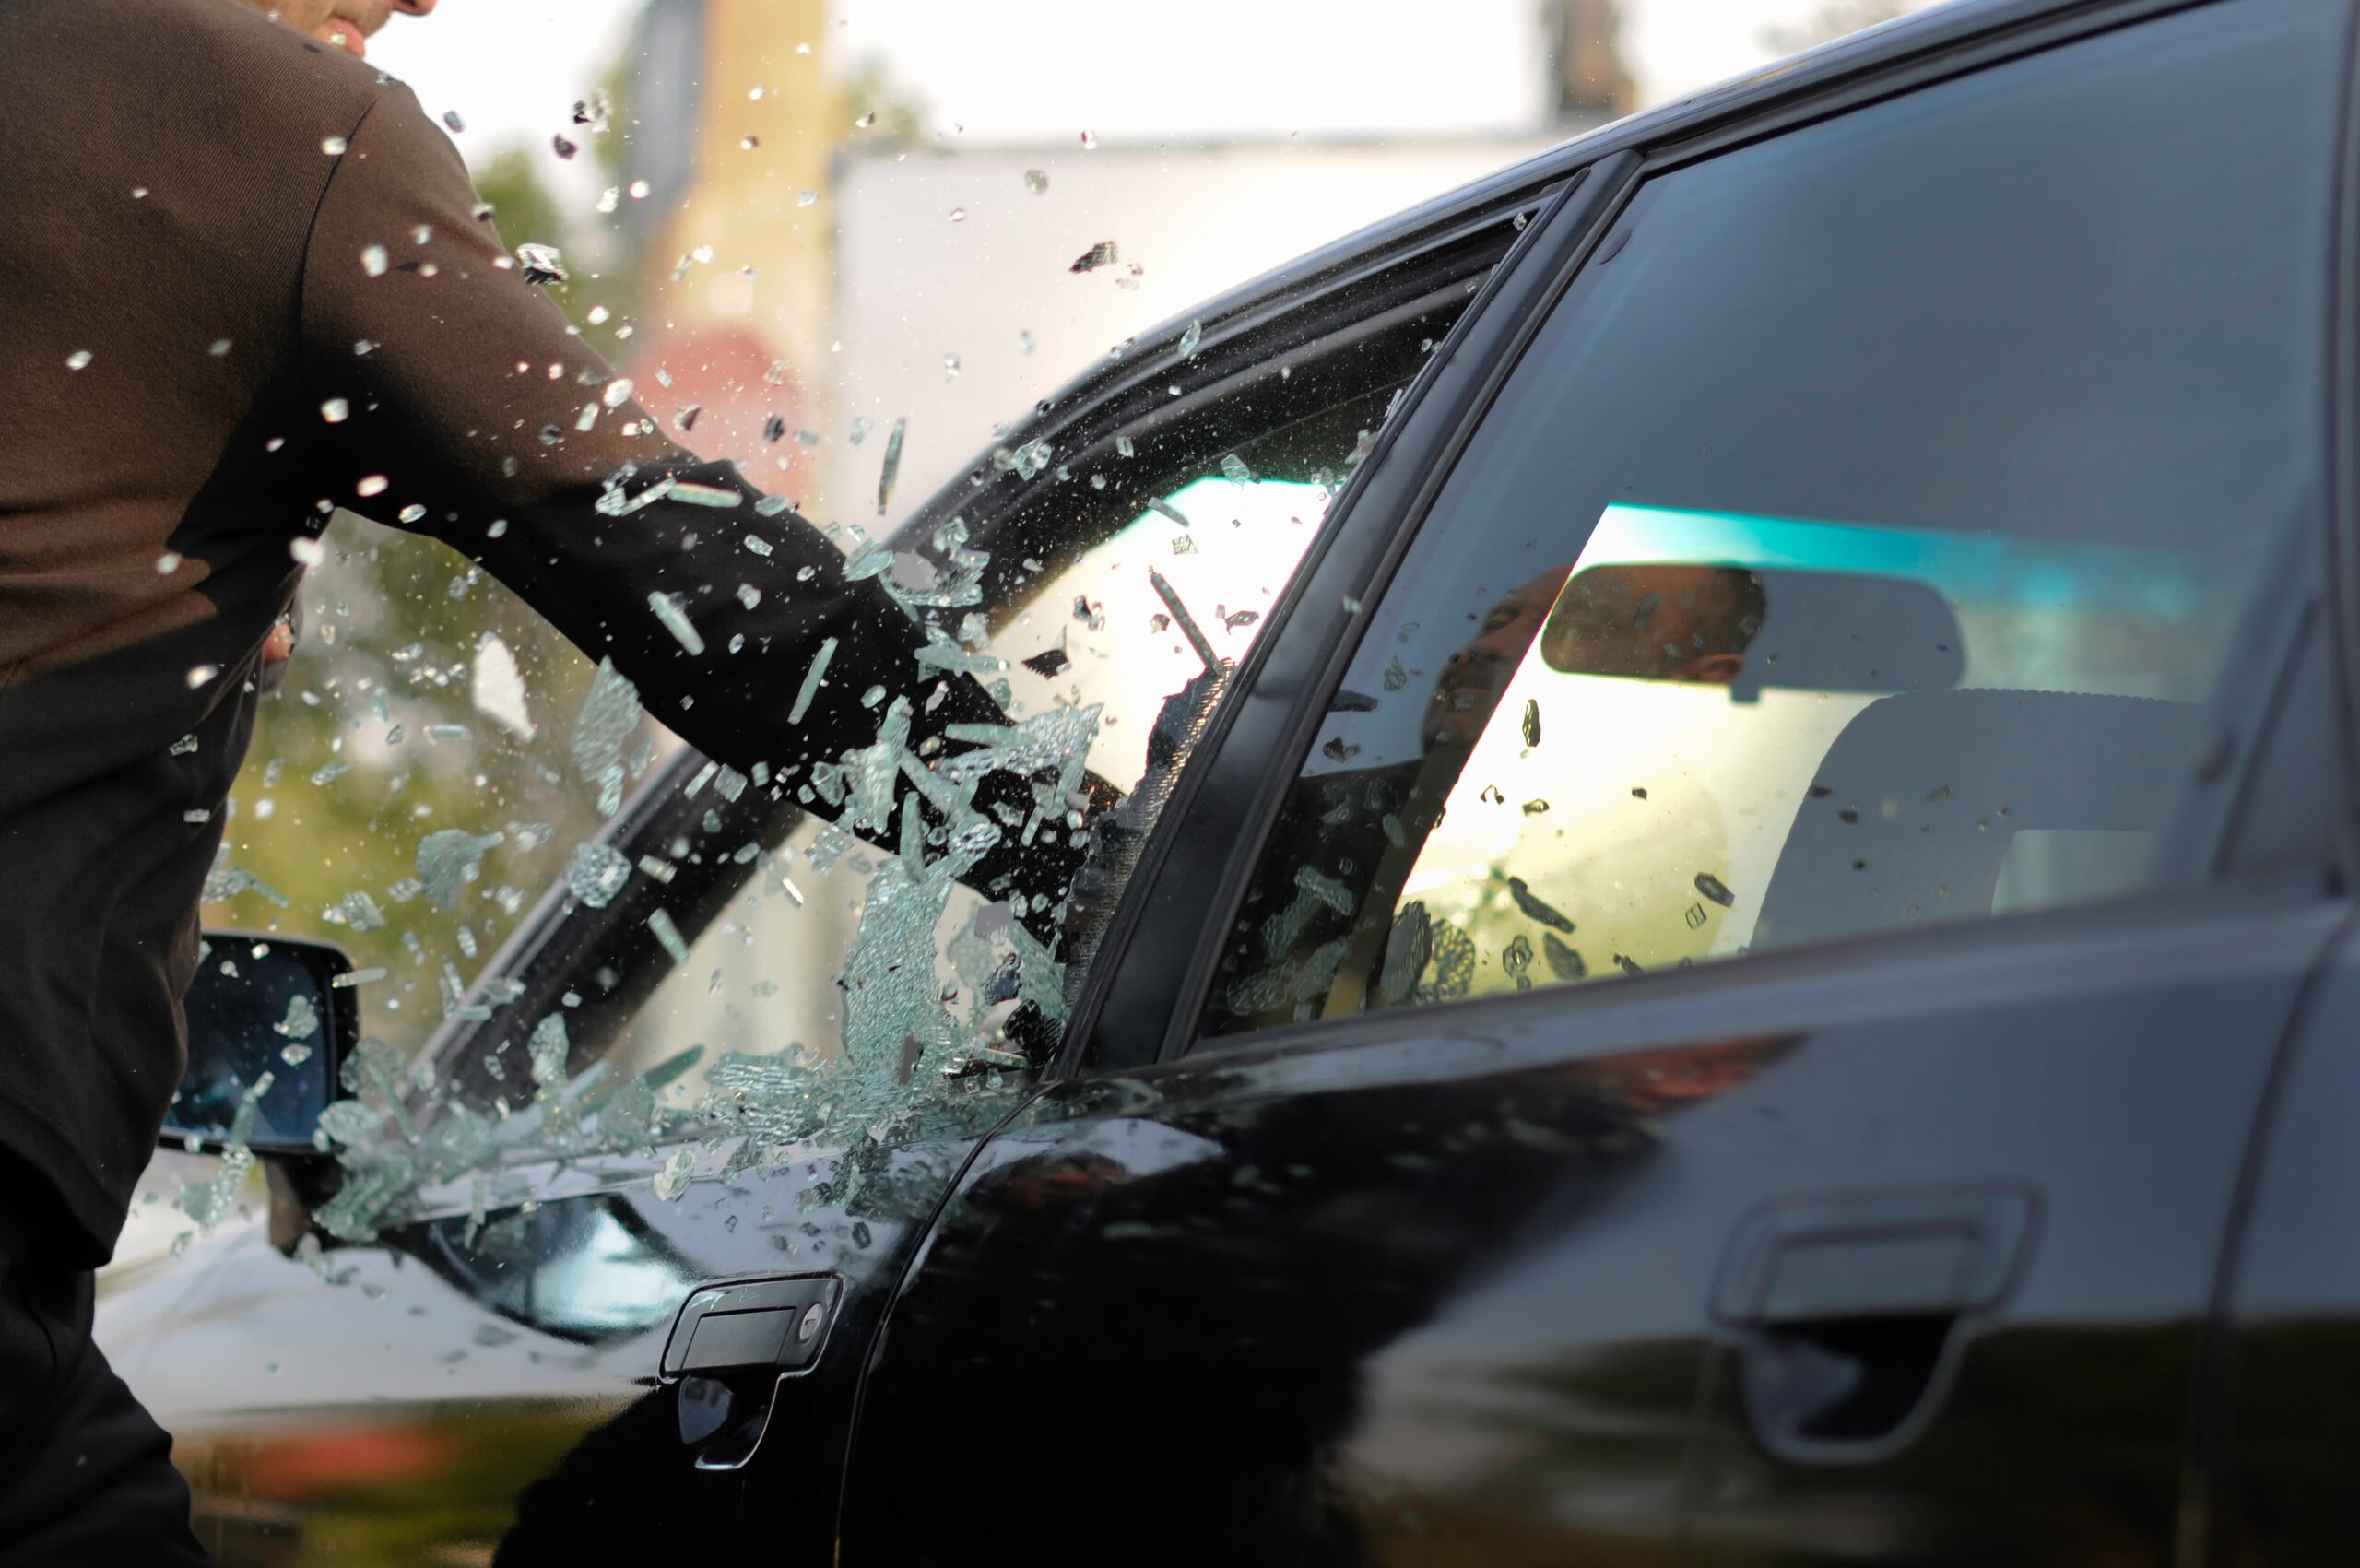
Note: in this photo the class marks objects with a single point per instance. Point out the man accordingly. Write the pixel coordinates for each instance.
(347, 24)
(246, 281)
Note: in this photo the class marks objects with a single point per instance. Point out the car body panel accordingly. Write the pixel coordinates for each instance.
(465, 1387)
(2289, 1360)
(1444, 1294)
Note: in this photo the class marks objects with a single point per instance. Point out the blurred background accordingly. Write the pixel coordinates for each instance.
(806, 220)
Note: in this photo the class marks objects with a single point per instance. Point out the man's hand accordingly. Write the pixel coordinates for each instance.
(347, 24)
(280, 647)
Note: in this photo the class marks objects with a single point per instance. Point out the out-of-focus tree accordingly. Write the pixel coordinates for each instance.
(376, 741)
(1587, 79)
(1832, 21)
(521, 205)
(900, 114)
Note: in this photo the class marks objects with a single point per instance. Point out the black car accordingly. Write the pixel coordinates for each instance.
(1710, 789)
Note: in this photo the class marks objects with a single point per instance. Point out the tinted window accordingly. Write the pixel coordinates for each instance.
(1867, 539)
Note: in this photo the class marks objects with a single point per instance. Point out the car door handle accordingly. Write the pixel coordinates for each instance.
(760, 1323)
(1846, 1307)
(730, 1348)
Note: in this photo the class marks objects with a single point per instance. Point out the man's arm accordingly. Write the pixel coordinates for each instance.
(462, 392)
(430, 364)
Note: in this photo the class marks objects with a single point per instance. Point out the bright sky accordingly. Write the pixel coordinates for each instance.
(1043, 70)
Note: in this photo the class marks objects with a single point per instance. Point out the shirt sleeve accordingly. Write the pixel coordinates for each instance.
(444, 394)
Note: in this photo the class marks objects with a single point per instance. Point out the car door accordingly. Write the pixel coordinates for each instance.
(2275, 1430)
(1704, 1002)
(603, 1269)
(501, 1352)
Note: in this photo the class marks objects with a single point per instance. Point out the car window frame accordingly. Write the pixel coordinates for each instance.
(1318, 303)
(1183, 916)
(2339, 563)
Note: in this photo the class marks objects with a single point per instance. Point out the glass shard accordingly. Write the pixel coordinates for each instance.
(892, 465)
(667, 610)
(447, 862)
(812, 679)
(594, 873)
(541, 264)
(609, 715)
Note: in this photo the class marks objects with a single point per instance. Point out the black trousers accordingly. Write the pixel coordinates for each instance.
(85, 1474)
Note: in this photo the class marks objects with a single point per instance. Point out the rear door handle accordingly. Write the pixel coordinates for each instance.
(1847, 1306)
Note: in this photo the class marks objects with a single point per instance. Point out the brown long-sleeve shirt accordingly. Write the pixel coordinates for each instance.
(203, 214)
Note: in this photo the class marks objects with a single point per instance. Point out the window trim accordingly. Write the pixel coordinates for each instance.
(1128, 977)
(2047, 936)
(553, 947)
(2339, 557)
(1571, 231)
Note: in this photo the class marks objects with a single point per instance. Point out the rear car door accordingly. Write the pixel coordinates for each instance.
(1732, 1028)
(602, 1289)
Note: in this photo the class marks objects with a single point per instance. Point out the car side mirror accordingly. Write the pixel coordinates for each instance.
(263, 1005)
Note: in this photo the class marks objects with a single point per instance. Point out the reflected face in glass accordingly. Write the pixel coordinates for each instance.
(1473, 677)
(1655, 622)
(1652, 622)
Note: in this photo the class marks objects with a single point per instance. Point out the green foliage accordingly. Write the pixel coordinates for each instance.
(396, 625)
(598, 248)
(901, 114)
(522, 205)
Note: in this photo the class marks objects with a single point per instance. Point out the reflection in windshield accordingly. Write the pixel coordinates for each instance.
(1712, 731)
(2016, 596)
(1626, 791)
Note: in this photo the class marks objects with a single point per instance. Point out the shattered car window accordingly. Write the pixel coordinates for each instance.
(683, 969)
(758, 962)
(784, 970)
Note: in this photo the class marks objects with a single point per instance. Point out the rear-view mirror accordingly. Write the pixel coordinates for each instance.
(1749, 630)
(268, 1031)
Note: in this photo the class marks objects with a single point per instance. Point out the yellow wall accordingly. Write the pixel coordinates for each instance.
(744, 203)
